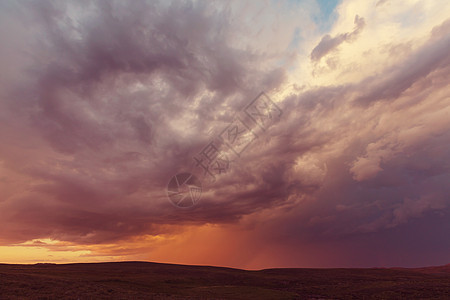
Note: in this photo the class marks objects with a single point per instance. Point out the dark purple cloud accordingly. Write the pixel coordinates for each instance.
(328, 43)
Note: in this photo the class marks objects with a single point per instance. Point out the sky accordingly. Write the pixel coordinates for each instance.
(102, 103)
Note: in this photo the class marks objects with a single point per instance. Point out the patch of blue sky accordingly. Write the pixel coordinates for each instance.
(323, 13)
(327, 14)
(324, 17)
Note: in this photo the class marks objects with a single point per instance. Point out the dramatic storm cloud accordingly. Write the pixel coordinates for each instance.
(102, 102)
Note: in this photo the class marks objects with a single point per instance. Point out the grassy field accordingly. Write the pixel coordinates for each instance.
(143, 280)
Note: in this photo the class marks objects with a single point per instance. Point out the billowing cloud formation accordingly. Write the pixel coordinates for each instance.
(102, 102)
(106, 101)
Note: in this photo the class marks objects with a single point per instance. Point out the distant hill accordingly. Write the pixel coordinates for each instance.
(145, 280)
(430, 270)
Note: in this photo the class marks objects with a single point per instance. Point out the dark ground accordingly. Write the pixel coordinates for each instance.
(142, 280)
